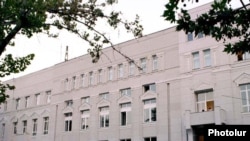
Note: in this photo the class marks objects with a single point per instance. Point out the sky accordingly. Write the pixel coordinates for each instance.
(51, 51)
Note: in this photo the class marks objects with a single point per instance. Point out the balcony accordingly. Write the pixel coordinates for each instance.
(218, 116)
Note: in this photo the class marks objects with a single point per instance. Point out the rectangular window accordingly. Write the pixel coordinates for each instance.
(126, 92)
(85, 99)
(68, 122)
(205, 101)
(24, 126)
(245, 97)
(48, 94)
(73, 82)
(37, 99)
(125, 139)
(196, 60)
(104, 96)
(143, 64)
(150, 139)
(200, 35)
(104, 117)
(91, 78)
(15, 127)
(125, 114)
(100, 76)
(154, 62)
(246, 56)
(85, 120)
(150, 87)
(190, 36)
(45, 125)
(17, 103)
(207, 58)
(120, 70)
(5, 106)
(131, 68)
(34, 129)
(110, 73)
(150, 110)
(3, 129)
(69, 103)
(82, 80)
(26, 101)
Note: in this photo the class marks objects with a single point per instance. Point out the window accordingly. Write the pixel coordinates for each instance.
(246, 56)
(17, 103)
(125, 114)
(154, 62)
(85, 120)
(125, 139)
(143, 65)
(45, 125)
(37, 99)
(120, 70)
(245, 96)
(34, 129)
(3, 129)
(82, 80)
(150, 87)
(5, 106)
(205, 100)
(73, 82)
(26, 101)
(150, 110)
(24, 126)
(48, 94)
(69, 103)
(150, 139)
(85, 99)
(68, 122)
(110, 73)
(100, 76)
(196, 60)
(104, 96)
(91, 78)
(126, 92)
(207, 57)
(15, 127)
(131, 68)
(190, 36)
(104, 117)
(66, 84)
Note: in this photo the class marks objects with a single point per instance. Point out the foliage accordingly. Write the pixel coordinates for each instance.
(81, 17)
(221, 22)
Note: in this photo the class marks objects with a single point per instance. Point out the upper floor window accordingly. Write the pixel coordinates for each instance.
(110, 73)
(207, 57)
(154, 62)
(190, 36)
(26, 104)
(45, 125)
(150, 139)
(15, 127)
(48, 95)
(200, 35)
(73, 82)
(125, 139)
(196, 60)
(104, 96)
(104, 117)
(85, 99)
(68, 122)
(150, 110)
(126, 92)
(125, 114)
(246, 56)
(3, 129)
(131, 68)
(120, 70)
(34, 128)
(24, 126)
(17, 103)
(150, 87)
(100, 76)
(82, 80)
(5, 106)
(205, 101)
(245, 96)
(85, 120)
(69, 103)
(37, 96)
(143, 64)
(91, 78)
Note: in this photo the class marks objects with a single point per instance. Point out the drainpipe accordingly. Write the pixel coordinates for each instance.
(168, 111)
(55, 123)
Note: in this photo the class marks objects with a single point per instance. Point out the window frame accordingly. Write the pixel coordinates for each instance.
(206, 99)
(196, 60)
(125, 108)
(45, 125)
(68, 122)
(148, 110)
(85, 116)
(245, 88)
(34, 127)
(104, 117)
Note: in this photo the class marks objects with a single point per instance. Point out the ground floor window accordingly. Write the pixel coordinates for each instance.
(150, 139)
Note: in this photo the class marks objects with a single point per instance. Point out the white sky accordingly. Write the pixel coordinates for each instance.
(50, 51)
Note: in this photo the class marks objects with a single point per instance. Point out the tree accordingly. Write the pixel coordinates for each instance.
(221, 22)
(81, 17)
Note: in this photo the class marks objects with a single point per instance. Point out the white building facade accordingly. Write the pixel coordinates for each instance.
(176, 85)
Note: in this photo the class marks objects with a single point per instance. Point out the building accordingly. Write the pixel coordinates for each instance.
(183, 85)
